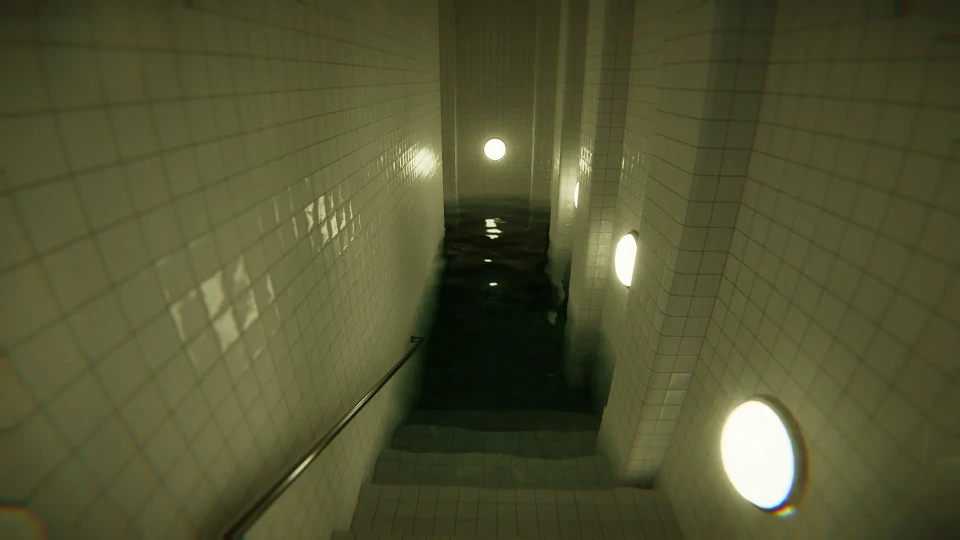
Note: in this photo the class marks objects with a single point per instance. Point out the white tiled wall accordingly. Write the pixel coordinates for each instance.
(323, 500)
(448, 96)
(840, 291)
(605, 83)
(496, 43)
(695, 82)
(567, 113)
(217, 222)
(500, 69)
(546, 158)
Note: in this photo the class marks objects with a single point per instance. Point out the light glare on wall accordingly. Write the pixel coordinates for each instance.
(760, 455)
(494, 149)
(626, 257)
(576, 195)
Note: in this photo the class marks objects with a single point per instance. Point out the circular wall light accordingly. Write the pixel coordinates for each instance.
(494, 149)
(576, 195)
(762, 454)
(625, 257)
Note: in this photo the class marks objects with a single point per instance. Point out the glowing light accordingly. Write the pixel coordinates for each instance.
(626, 257)
(494, 149)
(497, 231)
(493, 236)
(493, 283)
(487, 260)
(576, 195)
(758, 456)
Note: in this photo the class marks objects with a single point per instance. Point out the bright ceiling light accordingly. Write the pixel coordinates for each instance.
(762, 454)
(626, 257)
(487, 260)
(494, 149)
(493, 283)
(576, 195)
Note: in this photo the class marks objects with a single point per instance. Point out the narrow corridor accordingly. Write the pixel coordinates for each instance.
(497, 340)
(530, 269)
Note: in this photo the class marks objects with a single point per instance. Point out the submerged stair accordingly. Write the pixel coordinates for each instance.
(532, 444)
(491, 475)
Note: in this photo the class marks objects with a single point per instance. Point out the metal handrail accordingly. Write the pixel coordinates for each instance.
(251, 515)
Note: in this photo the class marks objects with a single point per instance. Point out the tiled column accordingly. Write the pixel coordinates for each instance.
(695, 89)
(569, 106)
(542, 167)
(605, 89)
(448, 100)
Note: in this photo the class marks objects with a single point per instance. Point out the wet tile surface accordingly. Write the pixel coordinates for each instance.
(412, 511)
(531, 444)
(491, 470)
(518, 420)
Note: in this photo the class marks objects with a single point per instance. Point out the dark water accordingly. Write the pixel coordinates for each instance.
(495, 347)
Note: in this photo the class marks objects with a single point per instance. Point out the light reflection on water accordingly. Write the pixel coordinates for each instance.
(497, 339)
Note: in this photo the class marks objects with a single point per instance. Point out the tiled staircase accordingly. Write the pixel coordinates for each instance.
(495, 475)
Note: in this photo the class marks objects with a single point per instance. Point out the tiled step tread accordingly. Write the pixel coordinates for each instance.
(608, 533)
(564, 535)
(513, 513)
(507, 420)
(491, 470)
(534, 444)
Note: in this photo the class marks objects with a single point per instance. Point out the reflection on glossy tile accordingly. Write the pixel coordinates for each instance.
(213, 294)
(226, 329)
(189, 315)
(202, 204)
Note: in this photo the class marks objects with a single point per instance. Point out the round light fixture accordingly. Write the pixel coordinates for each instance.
(762, 454)
(576, 195)
(625, 257)
(494, 149)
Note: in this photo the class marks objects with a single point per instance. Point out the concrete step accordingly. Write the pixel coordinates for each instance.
(532, 444)
(491, 470)
(507, 420)
(418, 511)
